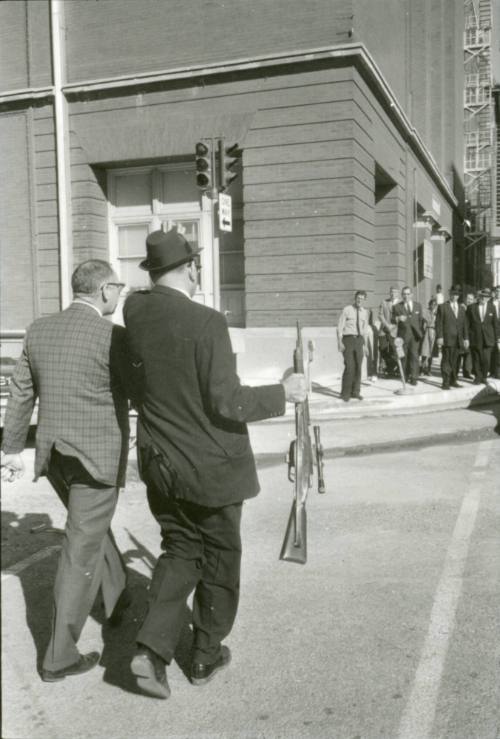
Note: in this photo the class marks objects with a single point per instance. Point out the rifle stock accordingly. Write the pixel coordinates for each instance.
(294, 547)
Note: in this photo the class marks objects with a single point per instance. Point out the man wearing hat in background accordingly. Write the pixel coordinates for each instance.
(195, 458)
(484, 335)
(452, 337)
(495, 354)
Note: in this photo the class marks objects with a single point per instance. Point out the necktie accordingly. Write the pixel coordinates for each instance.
(357, 322)
(455, 311)
(482, 310)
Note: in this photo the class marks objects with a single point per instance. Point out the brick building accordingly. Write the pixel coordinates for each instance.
(348, 114)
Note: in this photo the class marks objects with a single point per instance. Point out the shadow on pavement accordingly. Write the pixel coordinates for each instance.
(493, 410)
(119, 642)
(324, 390)
(32, 533)
(18, 543)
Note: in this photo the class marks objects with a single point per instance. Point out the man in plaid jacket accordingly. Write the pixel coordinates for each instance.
(73, 362)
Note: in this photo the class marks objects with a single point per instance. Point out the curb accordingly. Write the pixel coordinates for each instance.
(397, 405)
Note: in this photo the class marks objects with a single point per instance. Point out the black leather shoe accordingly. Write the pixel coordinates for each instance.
(150, 673)
(84, 664)
(477, 382)
(445, 387)
(455, 384)
(413, 381)
(201, 673)
(123, 602)
(467, 375)
(357, 397)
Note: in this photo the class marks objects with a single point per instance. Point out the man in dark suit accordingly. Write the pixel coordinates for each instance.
(408, 317)
(72, 361)
(388, 331)
(452, 337)
(495, 354)
(195, 458)
(484, 335)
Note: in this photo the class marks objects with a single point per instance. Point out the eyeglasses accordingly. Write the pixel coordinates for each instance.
(119, 285)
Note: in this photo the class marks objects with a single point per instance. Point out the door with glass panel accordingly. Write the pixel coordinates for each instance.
(145, 199)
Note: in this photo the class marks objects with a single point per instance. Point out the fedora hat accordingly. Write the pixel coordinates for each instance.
(167, 250)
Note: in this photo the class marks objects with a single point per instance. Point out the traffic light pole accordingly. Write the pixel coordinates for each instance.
(214, 197)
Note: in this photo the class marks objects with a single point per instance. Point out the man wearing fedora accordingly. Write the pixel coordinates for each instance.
(195, 457)
(484, 334)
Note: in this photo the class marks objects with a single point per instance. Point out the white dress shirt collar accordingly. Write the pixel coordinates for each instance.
(181, 290)
(90, 305)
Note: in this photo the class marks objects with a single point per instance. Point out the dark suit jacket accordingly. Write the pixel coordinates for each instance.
(413, 327)
(453, 330)
(482, 333)
(72, 361)
(193, 407)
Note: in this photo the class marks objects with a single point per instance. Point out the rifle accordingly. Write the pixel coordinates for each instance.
(300, 461)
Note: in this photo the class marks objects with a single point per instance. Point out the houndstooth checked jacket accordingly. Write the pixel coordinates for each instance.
(73, 362)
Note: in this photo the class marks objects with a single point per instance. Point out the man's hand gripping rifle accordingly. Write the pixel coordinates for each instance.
(300, 460)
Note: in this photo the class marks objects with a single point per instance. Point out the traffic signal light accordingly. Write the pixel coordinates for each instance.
(203, 166)
(228, 159)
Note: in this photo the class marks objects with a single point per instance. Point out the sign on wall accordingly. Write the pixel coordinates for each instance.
(428, 258)
(225, 213)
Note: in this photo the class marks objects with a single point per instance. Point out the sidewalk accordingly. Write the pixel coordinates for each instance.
(385, 419)
(384, 397)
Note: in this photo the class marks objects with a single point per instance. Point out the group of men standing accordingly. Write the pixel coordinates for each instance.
(457, 330)
(174, 362)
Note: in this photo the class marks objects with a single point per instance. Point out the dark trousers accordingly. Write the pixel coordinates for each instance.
(201, 552)
(495, 363)
(450, 361)
(481, 360)
(388, 351)
(466, 361)
(89, 557)
(411, 362)
(353, 360)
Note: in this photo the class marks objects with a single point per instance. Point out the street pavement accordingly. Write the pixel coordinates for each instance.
(391, 629)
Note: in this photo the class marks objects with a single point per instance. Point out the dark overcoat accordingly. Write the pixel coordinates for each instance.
(452, 329)
(413, 327)
(483, 334)
(193, 407)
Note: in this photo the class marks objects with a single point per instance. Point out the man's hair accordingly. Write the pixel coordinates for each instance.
(360, 292)
(406, 287)
(393, 288)
(89, 276)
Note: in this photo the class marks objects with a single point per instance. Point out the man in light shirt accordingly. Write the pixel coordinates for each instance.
(352, 331)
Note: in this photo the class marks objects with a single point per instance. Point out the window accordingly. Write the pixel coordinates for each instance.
(144, 199)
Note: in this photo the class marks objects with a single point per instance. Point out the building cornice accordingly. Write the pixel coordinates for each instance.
(344, 51)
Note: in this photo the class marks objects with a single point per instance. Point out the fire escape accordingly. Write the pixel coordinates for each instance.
(479, 126)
